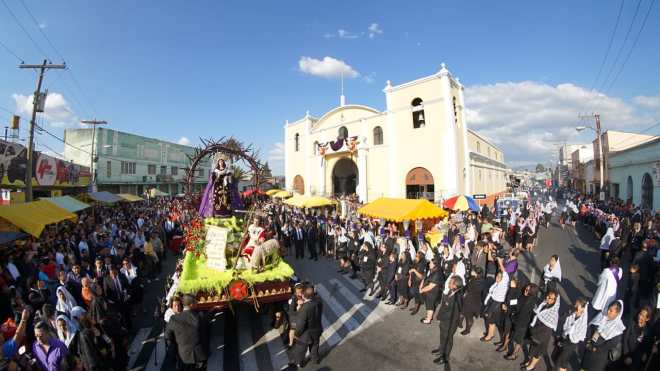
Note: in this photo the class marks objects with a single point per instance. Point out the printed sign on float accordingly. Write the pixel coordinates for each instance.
(216, 243)
(479, 196)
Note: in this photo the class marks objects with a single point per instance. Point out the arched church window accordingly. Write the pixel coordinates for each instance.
(418, 117)
(343, 133)
(378, 135)
(296, 140)
(455, 111)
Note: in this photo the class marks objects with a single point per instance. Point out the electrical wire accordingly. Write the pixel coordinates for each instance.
(609, 46)
(36, 23)
(18, 22)
(5, 47)
(639, 33)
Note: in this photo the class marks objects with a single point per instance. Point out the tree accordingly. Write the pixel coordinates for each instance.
(540, 168)
(239, 173)
(266, 173)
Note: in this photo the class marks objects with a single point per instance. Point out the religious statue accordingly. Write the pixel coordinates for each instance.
(217, 198)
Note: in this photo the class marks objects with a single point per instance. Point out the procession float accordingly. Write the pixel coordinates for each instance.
(229, 259)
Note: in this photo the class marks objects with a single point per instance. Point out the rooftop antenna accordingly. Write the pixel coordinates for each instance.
(342, 98)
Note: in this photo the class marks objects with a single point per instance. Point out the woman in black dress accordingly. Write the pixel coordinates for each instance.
(416, 276)
(494, 299)
(509, 308)
(573, 334)
(637, 341)
(474, 297)
(542, 327)
(431, 289)
(401, 277)
(607, 334)
(522, 318)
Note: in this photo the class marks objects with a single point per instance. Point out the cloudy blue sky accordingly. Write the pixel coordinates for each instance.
(178, 70)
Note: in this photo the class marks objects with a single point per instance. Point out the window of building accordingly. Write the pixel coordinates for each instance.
(163, 170)
(108, 169)
(488, 151)
(378, 135)
(419, 120)
(200, 172)
(342, 133)
(296, 142)
(175, 170)
(478, 147)
(126, 167)
(455, 111)
(151, 169)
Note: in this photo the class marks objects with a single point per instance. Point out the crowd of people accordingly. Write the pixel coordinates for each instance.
(473, 273)
(68, 297)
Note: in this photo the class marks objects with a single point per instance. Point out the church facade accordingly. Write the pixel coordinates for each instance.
(419, 147)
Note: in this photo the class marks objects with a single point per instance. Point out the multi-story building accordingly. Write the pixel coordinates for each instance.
(579, 158)
(416, 148)
(634, 174)
(613, 141)
(128, 163)
(487, 168)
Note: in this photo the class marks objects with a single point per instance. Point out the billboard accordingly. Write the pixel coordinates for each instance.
(47, 171)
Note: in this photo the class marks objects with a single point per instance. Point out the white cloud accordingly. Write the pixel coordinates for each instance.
(328, 67)
(43, 25)
(368, 79)
(276, 158)
(374, 30)
(184, 141)
(526, 119)
(343, 34)
(652, 103)
(57, 111)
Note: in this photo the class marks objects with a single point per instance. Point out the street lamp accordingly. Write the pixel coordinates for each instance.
(600, 153)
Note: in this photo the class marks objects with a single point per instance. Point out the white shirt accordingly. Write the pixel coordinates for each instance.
(82, 246)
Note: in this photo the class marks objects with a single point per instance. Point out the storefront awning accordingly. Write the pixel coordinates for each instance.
(68, 203)
(399, 209)
(130, 197)
(104, 196)
(33, 217)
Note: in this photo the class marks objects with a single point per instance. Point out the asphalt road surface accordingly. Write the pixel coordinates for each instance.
(363, 334)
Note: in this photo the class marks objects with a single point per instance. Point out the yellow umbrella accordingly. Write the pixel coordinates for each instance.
(273, 191)
(296, 200)
(398, 210)
(282, 194)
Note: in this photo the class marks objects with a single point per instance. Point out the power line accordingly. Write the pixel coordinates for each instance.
(36, 23)
(18, 22)
(5, 47)
(639, 33)
(623, 44)
(609, 46)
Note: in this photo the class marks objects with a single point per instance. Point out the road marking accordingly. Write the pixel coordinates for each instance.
(371, 316)
(345, 318)
(158, 355)
(248, 359)
(136, 346)
(278, 356)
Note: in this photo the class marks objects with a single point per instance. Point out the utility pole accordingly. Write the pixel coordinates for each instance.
(600, 152)
(94, 123)
(35, 105)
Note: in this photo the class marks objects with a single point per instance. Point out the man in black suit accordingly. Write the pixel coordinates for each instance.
(115, 288)
(308, 329)
(189, 330)
(311, 234)
(299, 241)
(450, 309)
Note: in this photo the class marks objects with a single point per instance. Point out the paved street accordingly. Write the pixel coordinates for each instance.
(368, 335)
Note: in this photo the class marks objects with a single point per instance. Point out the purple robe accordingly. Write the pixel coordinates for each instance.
(206, 206)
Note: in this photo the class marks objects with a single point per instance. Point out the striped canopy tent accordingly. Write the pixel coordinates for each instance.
(462, 203)
(33, 217)
(400, 209)
(68, 203)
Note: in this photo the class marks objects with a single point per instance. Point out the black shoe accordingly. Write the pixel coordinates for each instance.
(390, 303)
(465, 332)
(435, 351)
(353, 276)
(341, 271)
(363, 290)
(440, 361)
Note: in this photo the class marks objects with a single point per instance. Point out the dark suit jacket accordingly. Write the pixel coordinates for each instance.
(189, 330)
(308, 324)
(110, 290)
